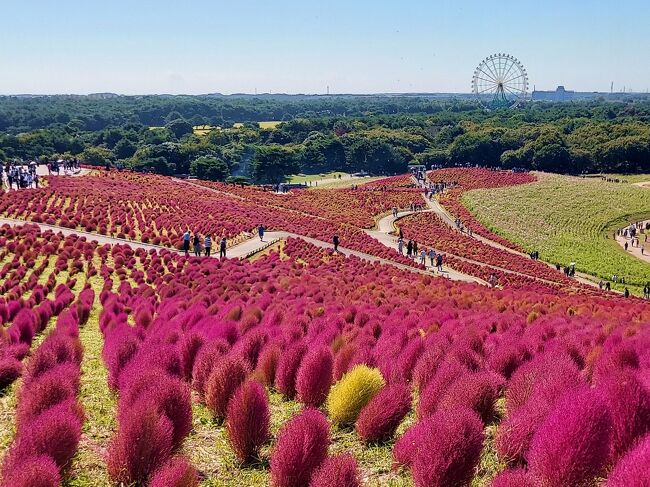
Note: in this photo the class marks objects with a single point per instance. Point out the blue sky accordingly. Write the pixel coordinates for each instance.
(291, 46)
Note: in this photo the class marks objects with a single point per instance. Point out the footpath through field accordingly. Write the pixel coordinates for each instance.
(636, 251)
(435, 206)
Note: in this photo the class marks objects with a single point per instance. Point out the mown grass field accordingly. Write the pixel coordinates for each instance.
(305, 178)
(567, 220)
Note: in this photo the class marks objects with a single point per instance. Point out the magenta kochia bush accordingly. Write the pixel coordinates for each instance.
(629, 407)
(450, 450)
(632, 469)
(571, 447)
(10, 370)
(205, 361)
(285, 375)
(222, 383)
(247, 420)
(177, 472)
(33, 471)
(380, 418)
(337, 471)
(301, 447)
(143, 443)
(476, 390)
(514, 478)
(314, 377)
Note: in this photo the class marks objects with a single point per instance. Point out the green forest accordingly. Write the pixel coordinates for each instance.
(374, 134)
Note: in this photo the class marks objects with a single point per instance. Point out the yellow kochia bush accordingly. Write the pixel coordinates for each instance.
(352, 393)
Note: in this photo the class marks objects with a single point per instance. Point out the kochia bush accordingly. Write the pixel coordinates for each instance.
(247, 420)
(177, 472)
(337, 471)
(301, 447)
(314, 377)
(572, 447)
(349, 395)
(288, 364)
(33, 471)
(632, 469)
(379, 419)
(224, 380)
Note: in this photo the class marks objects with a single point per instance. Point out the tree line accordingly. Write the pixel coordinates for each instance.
(378, 135)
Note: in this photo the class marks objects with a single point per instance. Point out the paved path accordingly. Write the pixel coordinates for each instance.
(636, 251)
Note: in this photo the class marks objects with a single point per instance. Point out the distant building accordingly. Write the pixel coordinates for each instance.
(561, 94)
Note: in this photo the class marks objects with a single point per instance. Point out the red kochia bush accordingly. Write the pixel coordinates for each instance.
(513, 478)
(285, 375)
(49, 390)
(476, 390)
(205, 361)
(33, 471)
(267, 363)
(224, 380)
(337, 471)
(10, 370)
(632, 469)
(629, 408)
(314, 377)
(571, 447)
(142, 445)
(301, 447)
(177, 472)
(55, 433)
(380, 418)
(247, 420)
(450, 451)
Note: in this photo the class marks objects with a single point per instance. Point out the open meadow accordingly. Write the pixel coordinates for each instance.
(569, 219)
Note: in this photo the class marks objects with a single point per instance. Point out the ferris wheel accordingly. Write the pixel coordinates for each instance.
(500, 81)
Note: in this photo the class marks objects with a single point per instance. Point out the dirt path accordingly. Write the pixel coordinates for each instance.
(636, 251)
(643, 184)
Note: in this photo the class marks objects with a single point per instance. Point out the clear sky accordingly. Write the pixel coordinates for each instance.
(302, 46)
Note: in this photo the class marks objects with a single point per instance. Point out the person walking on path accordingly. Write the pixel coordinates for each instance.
(646, 291)
(400, 246)
(626, 246)
(439, 262)
(626, 293)
(197, 245)
(260, 232)
(415, 249)
(409, 248)
(222, 248)
(186, 243)
(207, 244)
(432, 257)
(423, 257)
(394, 211)
(335, 241)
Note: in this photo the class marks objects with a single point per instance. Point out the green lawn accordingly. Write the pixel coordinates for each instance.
(630, 178)
(569, 220)
(305, 178)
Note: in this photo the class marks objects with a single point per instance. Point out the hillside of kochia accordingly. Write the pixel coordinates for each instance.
(568, 220)
(344, 365)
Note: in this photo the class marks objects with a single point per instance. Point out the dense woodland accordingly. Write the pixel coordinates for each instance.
(380, 135)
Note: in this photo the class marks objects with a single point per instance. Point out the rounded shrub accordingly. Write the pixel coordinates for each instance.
(33, 471)
(301, 447)
(224, 380)
(247, 420)
(352, 393)
(288, 364)
(513, 478)
(571, 447)
(314, 377)
(449, 450)
(633, 467)
(379, 419)
(177, 472)
(337, 471)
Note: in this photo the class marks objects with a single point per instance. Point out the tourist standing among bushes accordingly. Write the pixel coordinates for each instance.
(222, 248)
(186, 243)
(197, 245)
(335, 241)
(207, 244)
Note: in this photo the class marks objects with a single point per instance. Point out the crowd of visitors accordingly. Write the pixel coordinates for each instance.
(20, 176)
(203, 246)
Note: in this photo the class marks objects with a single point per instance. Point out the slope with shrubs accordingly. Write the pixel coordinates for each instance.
(552, 382)
(568, 219)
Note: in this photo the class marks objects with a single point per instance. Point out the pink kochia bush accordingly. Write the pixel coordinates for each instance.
(337, 471)
(572, 446)
(222, 383)
(142, 445)
(632, 469)
(247, 420)
(449, 449)
(301, 447)
(314, 377)
(443, 449)
(513, 478)
(288, 364)
(380, 418)
(177, 472)
(33, 471)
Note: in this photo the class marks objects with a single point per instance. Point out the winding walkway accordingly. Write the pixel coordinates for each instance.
(636, 251)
